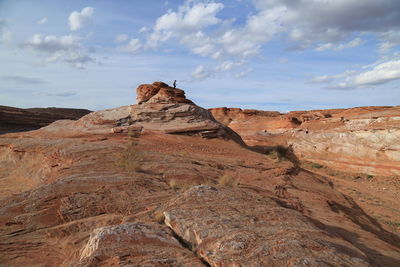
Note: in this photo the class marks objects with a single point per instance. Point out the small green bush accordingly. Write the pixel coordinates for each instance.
(316, 166)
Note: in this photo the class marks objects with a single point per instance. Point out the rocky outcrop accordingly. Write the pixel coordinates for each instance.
(135, 244)
(18, 119)
(219, 225)
(161, 108)
(160, 92)
(362, 139)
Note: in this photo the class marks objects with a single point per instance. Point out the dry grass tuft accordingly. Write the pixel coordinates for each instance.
(228, 180)
(174, 184)
(131, 158)
(159, 216)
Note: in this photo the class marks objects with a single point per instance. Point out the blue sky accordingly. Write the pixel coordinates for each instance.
(263, 54)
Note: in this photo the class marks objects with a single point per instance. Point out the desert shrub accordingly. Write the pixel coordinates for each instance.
(278, 152)
(131, 158)
(370, 177)
(159, 216)
(228, 180)
(316, 166)
(174, 184)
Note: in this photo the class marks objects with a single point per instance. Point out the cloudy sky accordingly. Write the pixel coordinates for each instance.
(265, 54)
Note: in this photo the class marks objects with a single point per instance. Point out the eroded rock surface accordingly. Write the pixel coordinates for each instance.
(135, 244)
(162, 109)
(232, 227)
(160, 92)
(363, 139)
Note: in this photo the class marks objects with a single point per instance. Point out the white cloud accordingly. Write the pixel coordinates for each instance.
(330, 78)
(78, 19)
(332, 46)
(42, 21)
(200, 73)
(243, 73)
(143, 29)
(371, 75)
(133, 46)
(120, 38)
(229, 65)
(65, 48)
(380, 74)
(390, 39)
(190, 18)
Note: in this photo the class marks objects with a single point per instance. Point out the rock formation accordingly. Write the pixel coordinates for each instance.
(66, 201)
(359, 140)
(18, 120)
(160, 108)
(160, 92)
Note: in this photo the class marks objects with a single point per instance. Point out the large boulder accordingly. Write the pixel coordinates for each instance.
(160, 92)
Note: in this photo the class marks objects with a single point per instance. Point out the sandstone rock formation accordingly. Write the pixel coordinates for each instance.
(359, 140)
(161, 108)
(160, 92)
(17, 119)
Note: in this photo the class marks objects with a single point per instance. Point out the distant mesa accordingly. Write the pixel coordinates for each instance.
(18, 119)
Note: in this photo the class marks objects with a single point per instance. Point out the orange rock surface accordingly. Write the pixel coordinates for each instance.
(365, 139)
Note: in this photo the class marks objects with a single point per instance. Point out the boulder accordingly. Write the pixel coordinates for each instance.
(160, 92)
(232, 227)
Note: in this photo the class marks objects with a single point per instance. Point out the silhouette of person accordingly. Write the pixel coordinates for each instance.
(174, 83)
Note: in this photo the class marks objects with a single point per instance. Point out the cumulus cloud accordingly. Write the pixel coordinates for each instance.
(308, 22)
(133, 46)
(303, 24)
(78, 19)
(65, 48)
(42, 21)
(189, 19)
(370, 76)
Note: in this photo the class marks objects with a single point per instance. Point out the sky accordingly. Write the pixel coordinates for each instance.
(279, 55)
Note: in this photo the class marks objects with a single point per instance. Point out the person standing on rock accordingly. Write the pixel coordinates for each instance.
(174, 84)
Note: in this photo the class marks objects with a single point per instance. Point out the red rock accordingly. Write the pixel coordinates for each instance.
(159, 92)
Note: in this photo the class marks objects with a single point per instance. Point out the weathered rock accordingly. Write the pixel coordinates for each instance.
(166, 110)
(18, 120)
(362, 139)
(135, 244)
(160, 92)
(231, 227)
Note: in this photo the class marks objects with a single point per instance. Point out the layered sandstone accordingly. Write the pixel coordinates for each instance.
(18, 119)
(160, 108)
(363, 139)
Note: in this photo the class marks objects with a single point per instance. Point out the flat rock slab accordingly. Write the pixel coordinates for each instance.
(135, 244)
(233, 227)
